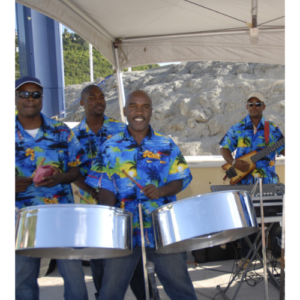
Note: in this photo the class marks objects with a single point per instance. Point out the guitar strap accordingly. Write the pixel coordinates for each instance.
(267, 131)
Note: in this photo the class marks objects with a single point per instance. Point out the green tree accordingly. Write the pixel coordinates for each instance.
(17, 63)
(76, 60)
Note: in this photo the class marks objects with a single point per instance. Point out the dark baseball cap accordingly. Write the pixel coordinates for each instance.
(27, 79)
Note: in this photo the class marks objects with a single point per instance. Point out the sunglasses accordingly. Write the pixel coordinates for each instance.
(26, 95)
(257, 104)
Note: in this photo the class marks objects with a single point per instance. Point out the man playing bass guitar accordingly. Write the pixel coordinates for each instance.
(252, 133)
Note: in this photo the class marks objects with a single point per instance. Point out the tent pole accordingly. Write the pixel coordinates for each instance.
(204, 33)
(91, 63)
(120, 83)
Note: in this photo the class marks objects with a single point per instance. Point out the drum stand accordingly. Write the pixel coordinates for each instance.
(254, 250)
(144, 258)
(148, 267)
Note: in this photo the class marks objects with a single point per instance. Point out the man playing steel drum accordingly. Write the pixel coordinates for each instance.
(160, 171)
(92, 132)
(40, 139)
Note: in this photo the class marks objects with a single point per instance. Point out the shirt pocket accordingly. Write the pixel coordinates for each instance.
(25, 161)
(56, 158)
(157, 171)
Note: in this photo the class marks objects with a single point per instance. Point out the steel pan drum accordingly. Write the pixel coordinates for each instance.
(203, 221)
(73, 231)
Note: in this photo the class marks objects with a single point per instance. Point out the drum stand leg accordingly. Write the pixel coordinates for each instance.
(282, 271)
(144, 258)
(254, 250)
(148, 267)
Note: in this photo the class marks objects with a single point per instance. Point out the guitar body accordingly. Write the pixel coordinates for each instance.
(240, 175)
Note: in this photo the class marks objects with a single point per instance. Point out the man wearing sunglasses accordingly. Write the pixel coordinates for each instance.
(39, 139)
(248, 135)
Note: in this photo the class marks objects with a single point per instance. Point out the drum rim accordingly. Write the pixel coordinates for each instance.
(98, 206)
(198, 196)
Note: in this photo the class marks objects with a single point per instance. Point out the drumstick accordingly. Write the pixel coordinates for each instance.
(123, 171)
(83, 198)
(41, 162)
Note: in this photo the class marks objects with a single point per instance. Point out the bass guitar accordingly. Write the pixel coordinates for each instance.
(251, 158)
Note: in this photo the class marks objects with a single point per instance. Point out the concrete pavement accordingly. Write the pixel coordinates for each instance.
(205, 277)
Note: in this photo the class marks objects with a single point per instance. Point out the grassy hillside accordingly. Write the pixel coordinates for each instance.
(76, 60)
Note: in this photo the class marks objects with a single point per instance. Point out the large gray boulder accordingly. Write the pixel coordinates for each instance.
(195, 102)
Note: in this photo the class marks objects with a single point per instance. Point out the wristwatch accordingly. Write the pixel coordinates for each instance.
(233, 162)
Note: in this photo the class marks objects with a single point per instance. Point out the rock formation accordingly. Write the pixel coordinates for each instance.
(195, 102)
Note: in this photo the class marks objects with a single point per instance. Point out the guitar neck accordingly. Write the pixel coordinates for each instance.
(267, 151)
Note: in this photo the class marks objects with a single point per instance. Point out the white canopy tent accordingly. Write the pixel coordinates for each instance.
(138, 32)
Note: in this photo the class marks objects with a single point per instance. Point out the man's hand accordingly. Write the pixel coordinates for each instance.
(22, 183)
(151, 192)
(50, 181)
(82, 185)
(241, 165)
(93, 193)
(106, 197)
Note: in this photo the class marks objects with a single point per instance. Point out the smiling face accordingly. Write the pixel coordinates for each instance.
(30, 107)
(138, 111)
(254, 111)
(93, 101)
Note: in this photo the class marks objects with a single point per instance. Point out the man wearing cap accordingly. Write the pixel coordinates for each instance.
(38, 139)
(249, 135)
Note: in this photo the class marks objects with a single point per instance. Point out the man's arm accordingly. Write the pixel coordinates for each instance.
(170, 189)
(283, 152)
(22, 183)
(106, 197)
(81, 184)
(57, 177)
(239, 164)
(226, 155)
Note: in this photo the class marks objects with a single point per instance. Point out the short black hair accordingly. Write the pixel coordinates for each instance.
(87, 88)
(138, 92)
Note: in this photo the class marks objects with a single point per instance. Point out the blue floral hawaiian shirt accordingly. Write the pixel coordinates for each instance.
(241, 137)
(156, 160)
(92, 142)
(58, 144)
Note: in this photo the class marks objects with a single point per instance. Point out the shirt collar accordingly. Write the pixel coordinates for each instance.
(261, 122)
(20, 129)
(44, 122)
(149, 135)
(83, 125)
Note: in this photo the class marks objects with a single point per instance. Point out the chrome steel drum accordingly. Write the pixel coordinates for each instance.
(203, 221)
(69, 231)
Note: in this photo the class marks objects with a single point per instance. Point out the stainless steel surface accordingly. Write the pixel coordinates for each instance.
(73, 231)
(203, 221)
(271, 191)
(144, 257)
(269, 219)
